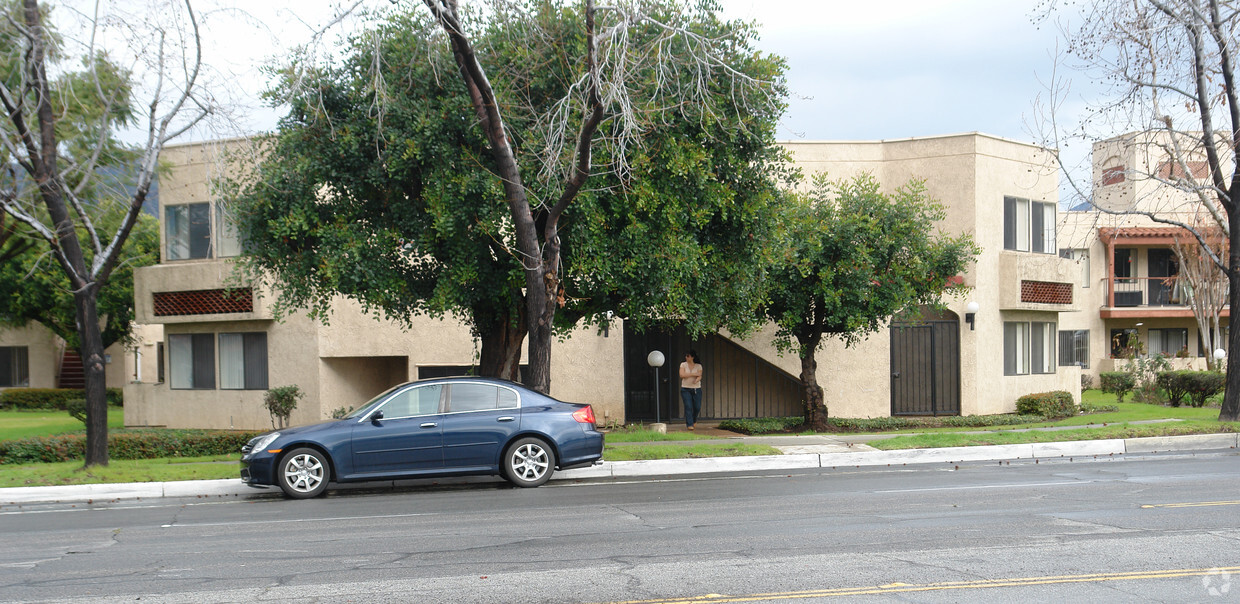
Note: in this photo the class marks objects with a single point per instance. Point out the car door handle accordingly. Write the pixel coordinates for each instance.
(506, 418)
(429, 425)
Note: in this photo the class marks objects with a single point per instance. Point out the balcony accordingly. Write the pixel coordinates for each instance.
(1149, 297)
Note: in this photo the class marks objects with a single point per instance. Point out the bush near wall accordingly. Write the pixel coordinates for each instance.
(1051, 405)
(50, 398)
(1118, 383)
(133, 444)
(1196, 386)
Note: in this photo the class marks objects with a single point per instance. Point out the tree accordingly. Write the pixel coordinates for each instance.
(1169, 67)
(852, 257)
(59, 134)
(1204, 286)
(381, 186)
(31, 289)
(681, 65)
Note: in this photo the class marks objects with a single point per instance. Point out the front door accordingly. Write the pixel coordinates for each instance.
(1163, 265)
(408, 436)
(925, 368)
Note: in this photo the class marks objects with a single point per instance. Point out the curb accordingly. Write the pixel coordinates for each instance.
(233, 487)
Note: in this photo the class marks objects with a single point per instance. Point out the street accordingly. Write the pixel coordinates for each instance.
(1154, 528)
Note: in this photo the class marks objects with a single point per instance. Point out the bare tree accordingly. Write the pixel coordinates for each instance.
(1203, 286)
(60, 131)
(1170, 71)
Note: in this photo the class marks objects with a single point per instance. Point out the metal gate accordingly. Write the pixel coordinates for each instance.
(925, 368)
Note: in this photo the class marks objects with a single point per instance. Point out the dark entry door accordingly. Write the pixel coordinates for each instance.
(925, 368)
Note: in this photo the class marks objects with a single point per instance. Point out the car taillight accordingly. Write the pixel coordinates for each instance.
(584, 415)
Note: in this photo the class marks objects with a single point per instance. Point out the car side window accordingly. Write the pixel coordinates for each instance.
(507, 399)
(473, 397)
(422, 400)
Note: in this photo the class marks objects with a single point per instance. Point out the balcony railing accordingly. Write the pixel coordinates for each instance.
(1150, 291)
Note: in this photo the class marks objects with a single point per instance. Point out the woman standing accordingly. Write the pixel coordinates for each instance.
(691, 387)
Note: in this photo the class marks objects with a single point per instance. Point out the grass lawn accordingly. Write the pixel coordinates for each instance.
(15, 425)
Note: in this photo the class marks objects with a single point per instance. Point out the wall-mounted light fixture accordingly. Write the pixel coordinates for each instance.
(970, 313)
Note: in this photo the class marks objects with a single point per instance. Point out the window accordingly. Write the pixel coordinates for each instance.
(1168, 341)
(422, 400)
(473, 397)
(191, 361)
(159, 361)
(1123, 263)
(1081, 256)
(1028, 348)
(1112, 176)
(188, 231)
(1124, 342)
(243, 361)
(1028, 226)
(1074, 348)
(14, 366)
(229, 243)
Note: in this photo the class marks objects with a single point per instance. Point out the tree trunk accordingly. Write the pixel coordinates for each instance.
(541, 302)
(501, 348)
(815, 404)
(96, 377)
(1231, 397)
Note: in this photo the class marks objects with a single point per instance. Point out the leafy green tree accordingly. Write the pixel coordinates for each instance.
(381, 187)
(33, 289)
(59, 136)
(852, 257)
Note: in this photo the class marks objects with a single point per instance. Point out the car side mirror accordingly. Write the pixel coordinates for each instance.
(376, 416)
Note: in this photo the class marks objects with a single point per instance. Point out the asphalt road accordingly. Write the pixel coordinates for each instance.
(1141, 529)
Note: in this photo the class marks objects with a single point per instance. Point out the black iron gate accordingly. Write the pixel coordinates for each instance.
(925, 368)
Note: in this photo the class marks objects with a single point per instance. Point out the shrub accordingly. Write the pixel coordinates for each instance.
(1087, 382)
(1051, 405)
(77, 409)
(761, 425)
(1118, 383)
(50, 398)
(340, 412)
(131, 444)
(280, 403)
(1203, 385)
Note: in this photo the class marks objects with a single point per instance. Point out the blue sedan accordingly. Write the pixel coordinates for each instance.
(440, 427)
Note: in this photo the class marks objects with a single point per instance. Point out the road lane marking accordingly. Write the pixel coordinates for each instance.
(993, 486)
(914, 587)
(288, 520)
(1191, 504)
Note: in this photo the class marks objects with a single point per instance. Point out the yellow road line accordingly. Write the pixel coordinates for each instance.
(913, 587)
(1197, 504)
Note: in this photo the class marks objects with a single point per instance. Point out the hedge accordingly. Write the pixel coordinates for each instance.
(1051, 405)
(1197, 386)
(50, 398)
(130, 444)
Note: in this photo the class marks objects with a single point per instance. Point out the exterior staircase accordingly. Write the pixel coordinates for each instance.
(72, 374)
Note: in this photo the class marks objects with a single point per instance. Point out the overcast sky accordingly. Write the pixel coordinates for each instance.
(877, 69)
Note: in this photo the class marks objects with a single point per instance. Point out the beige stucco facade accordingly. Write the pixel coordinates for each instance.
(354, 355)
(44, 352)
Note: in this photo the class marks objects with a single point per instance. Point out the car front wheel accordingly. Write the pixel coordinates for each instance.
(303, 473)
(529, 462)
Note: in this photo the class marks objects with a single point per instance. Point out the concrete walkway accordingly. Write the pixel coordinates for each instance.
(800, 452)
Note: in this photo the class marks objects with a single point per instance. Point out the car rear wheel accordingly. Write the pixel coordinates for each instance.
(529, 462)
(303, 473)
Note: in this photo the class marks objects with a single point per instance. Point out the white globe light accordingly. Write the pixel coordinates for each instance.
(655, 359)
(1219, 354)
(973, 307)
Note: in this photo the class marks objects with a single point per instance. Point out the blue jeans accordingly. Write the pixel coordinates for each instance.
(693, 404)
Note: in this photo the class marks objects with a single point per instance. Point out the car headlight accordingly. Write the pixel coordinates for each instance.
(260, 442)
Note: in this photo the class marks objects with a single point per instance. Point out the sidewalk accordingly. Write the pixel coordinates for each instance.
(800, 453)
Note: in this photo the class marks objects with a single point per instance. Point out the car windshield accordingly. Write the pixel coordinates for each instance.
(370, 404)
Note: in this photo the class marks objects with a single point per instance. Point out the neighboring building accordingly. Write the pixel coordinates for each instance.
(1130, 273)
(222, 347)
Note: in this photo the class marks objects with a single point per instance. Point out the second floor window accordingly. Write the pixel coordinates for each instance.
(188, 231)
(1028, 226)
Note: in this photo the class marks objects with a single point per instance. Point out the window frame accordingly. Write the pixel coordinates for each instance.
(1029, 348)
(1029, 225)
(201, 365)
(15, 371)
(183, 236)
(1074, 348)
(254, 352)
